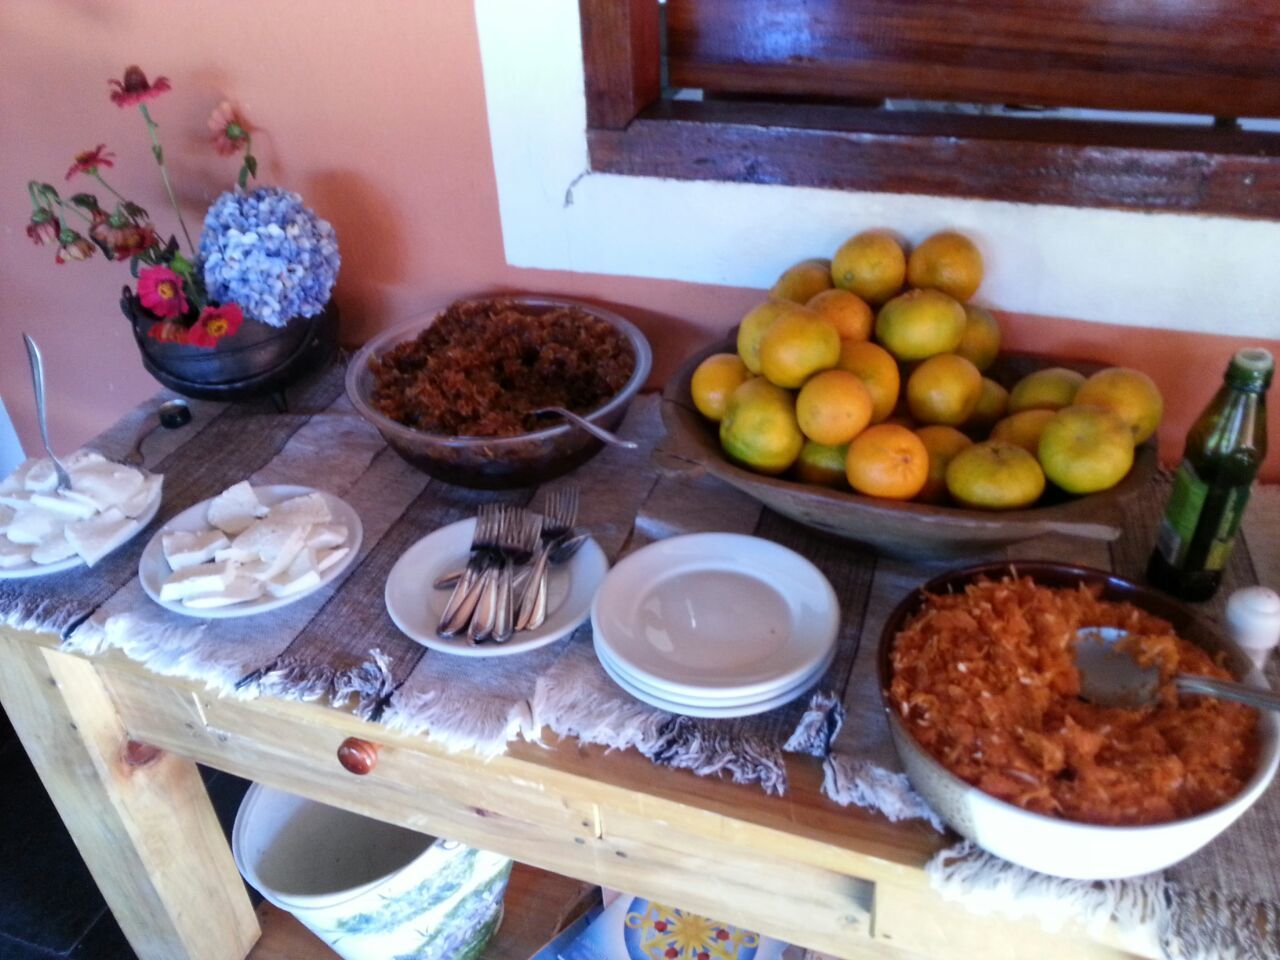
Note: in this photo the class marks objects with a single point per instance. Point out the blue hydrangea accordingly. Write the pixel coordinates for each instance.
(270, 254)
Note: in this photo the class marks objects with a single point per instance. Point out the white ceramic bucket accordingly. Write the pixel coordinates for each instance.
(370, 890)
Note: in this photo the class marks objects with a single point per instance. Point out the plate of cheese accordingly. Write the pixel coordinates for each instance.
(249, 550)
(44, 530)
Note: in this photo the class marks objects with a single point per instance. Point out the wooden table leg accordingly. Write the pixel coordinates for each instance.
(148, 833)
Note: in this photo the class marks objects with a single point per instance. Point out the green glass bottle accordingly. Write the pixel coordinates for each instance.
(1225, 449)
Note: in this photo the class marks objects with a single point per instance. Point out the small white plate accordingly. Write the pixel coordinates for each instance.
(668, 701)
(706, 710)
(74, 561)
(716, 614)
(153, 569)
(415, 605)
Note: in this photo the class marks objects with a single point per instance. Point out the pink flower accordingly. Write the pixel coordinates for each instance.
(135, 88)
(88, 161)
(214, 324)
(123, 238)
(167, 332)
(44, 228)
(160, 290)
(72, 246)
(229, 129)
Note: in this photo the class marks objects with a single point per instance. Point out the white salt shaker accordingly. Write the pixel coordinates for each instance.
(1253, 614)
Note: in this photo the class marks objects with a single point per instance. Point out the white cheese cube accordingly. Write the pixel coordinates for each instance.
(308, 508)
(300, 576)
(13, 554)
(6, 515)
(18, 479)
(16, 499)
(206, 578)
(147, 494)
(285, 552)
(53, 550)
(327, 558)
(266, 538)
(40, 477)
(107, 484)
(240, 590)
(82, 458)
(327, 535)
(183, 548)
(34, 526)
(234, 510)
(72, 508)
(93, 539)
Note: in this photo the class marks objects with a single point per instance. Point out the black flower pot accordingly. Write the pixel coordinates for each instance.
(256, 361)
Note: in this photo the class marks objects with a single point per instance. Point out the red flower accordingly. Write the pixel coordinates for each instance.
(167, 332)
(43, 228)
(214, 324)
(135, 88)
(72, 246)
(229, 129)
(160, 291)
(88, 161)
(123, 238)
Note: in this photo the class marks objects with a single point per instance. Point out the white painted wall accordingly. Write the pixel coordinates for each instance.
(1172, 271)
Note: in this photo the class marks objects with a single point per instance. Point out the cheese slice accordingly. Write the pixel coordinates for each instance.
(240, 590)
(34, 526)
(200, 580)
(17, 480)
(40, 477)
(308, 508)
(93, 539)
(324, 535)
(300, 576)
(234, 510)
(107, 484)
(184, 548)
(73, 508)
(327, 558)
(285, 552)
(13, 554)
(53, 549)
(6, 515)
(147, 494)
(16, 499)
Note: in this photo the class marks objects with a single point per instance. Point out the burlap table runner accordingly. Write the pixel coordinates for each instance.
(340, 645)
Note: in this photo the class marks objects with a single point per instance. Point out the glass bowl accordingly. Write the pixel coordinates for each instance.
(493, 463)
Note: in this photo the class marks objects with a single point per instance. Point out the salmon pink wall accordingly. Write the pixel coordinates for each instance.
(375, 112)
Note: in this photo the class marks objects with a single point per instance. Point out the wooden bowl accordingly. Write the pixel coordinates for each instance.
(903, 528)
(1067, 848)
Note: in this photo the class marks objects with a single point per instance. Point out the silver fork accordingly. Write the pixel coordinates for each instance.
(560, 513)
(518, 550)
(484, 622)
(466, 594)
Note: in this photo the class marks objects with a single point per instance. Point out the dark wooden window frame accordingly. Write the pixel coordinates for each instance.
(633, 130)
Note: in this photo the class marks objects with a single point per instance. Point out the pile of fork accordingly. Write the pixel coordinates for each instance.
(503, 588)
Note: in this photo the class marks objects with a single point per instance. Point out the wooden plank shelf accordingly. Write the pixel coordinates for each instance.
(538, 906)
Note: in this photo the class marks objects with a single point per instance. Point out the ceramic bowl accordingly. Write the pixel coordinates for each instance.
(902, 528)
(490, 463)
(1050, 845)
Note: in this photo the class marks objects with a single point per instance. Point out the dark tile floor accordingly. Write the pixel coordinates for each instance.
(50, 908)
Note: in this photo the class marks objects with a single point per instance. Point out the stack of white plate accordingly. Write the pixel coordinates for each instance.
(715, 625)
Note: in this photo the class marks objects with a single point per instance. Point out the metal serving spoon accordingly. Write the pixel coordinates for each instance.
(37, 381)
(600, 433)
(1111, 677)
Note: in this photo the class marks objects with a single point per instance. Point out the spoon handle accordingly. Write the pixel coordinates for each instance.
(37, 383)
(1227, 690)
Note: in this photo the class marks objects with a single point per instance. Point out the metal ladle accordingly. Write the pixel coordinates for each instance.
(1111, 677)
(600, 433)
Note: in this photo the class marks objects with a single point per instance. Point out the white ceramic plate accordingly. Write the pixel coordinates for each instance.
(716, 614)
(72, 562)
(668, 701)
(153, 569)
(707, 709)
(415, 605)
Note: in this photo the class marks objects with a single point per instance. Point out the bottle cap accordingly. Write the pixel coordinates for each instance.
(1251, 368)
(1253, 614)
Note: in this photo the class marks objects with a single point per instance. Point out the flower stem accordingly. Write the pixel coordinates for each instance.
(164, 173)
(80, 213)
(113, 190)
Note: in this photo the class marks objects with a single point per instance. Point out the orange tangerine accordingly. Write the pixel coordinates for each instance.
(995, 476)
(833, 407)
(920, 324)
(1086, 449)
(1049, 389)
(944, 389)
(822, 464)
(871, 265)
(714, 380)
(1129, 394)
(757, 320)
(759, 428)
(946, 261)
(991, 405)
(796, 346)
(980, 344)
(887, 461)
(845, 311)
(942, 443)
(802, 282)
(1023, 429)
(877, 369)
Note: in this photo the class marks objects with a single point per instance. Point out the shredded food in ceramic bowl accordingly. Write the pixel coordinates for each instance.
(985, 680)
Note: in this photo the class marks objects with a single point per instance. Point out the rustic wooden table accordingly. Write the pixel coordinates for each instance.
(798, 867)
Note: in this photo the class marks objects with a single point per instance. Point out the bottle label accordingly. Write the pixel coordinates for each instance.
(1181, 515)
